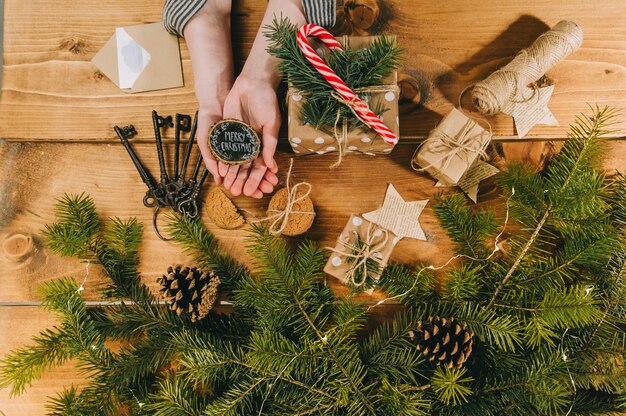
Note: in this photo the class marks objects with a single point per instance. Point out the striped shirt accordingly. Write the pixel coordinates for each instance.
(176, 13)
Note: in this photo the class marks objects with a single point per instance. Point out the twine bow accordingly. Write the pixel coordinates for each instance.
(280, 218)
(462, 145)
(376, 239)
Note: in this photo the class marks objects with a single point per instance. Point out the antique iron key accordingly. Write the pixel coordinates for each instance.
(155, 195)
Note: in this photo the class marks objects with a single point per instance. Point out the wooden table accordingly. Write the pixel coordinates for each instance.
(57, 112)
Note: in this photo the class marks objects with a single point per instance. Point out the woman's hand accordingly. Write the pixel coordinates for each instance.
(253, 100)
(208, 38)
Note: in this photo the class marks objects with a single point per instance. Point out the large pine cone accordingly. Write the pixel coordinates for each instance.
(445, 340)
(189, 290)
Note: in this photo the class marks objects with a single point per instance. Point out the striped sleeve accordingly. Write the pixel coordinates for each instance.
(176, 14)
(320, 12)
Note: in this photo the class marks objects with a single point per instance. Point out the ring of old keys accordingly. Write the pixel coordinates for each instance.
(173, 190)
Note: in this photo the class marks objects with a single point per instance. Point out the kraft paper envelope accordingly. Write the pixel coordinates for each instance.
(141, 58)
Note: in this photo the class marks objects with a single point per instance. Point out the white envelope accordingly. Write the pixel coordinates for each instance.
(141, 58)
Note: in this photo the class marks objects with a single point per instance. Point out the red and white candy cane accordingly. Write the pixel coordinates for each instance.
(337, 83)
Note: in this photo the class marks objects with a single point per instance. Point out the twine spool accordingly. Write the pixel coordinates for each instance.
(491, 94)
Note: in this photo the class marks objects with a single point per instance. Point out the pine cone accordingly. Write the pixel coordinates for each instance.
(443, 339)
(189, 290)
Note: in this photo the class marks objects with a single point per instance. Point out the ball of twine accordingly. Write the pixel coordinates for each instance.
(491, 94)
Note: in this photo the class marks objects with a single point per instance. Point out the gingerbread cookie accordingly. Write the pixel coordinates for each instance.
(302, 213)
(222, 211)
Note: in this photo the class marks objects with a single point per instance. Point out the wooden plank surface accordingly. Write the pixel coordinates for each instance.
(51, 91)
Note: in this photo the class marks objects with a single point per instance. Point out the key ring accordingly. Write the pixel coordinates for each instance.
(156, 228)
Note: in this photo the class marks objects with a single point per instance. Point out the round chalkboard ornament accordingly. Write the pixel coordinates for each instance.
(234, 142)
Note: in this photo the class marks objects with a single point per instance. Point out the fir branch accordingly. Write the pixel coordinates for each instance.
(209, 362)
(580, 152)
(418, 286)
(278, 264)
(117, 250)
(450, 385)
(540, 386)
(463, 284)
(142, 359)
(388, 353)
(469, 230)
(22, 366)
(67, 403)
(199, 242)
(77, 224)
(403, 400)
(82, 338)
(176, 396)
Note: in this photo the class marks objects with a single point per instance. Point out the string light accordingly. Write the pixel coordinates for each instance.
(82, 285)
(588, 291)
(139, 403)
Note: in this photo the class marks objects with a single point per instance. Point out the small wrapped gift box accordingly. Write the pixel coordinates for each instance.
(361, 254)
(382, 99)
(452, 147)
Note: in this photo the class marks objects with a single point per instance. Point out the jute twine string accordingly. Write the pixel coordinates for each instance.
(375, 240)
(280, 218)
(342, 141)
(507, 83)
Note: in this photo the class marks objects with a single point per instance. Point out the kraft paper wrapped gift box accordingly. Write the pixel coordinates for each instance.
(381, 243)
(452, 147)
(305, 139)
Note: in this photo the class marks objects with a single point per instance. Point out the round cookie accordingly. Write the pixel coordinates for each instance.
(296, 223)
(234, 142)
(222, 211)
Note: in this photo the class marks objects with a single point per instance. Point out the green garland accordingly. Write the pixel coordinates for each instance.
(547, 314)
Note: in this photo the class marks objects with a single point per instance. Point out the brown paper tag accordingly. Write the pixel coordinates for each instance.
(469, 183)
